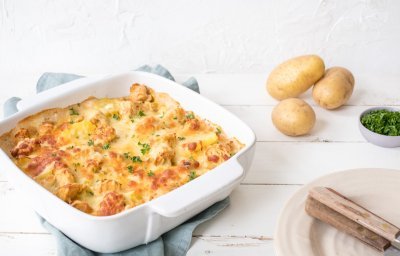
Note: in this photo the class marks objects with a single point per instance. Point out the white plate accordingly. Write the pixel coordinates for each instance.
(299, 234)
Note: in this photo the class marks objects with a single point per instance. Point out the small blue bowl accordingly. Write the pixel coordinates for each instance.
(385, 141)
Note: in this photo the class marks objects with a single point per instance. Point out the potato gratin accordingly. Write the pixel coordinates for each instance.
(103, 156)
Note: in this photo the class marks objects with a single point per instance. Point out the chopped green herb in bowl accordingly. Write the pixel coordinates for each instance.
(382, 121)
(381, 126)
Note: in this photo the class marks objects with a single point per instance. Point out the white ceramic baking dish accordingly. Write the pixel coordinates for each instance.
(148, 221)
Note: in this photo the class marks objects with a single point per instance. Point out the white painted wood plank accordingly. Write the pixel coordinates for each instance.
(15, 214)
(301, 162)
(232, 246)
(253, 212)
(27, 244)
(44, 245)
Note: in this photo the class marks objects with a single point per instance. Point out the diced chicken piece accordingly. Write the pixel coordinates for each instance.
(82, 206)
(46, 180)
(125, 108)
(99, 119)
(218, 152)
(47, 140)
(39, 163)
(109, 186)
(63, 176)
(163, 151)
(147, 125)
(22, 134)
(111, 204)
(93, 164)
(169, 103)
(140, 93)
(45, 128)
(69, 192)
(166, 179)
(24, 147)
(103, 134)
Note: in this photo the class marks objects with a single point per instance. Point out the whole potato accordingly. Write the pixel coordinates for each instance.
(295, 76)
(334, 88)
(293, 117)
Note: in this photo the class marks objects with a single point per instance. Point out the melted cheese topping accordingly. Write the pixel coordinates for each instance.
(103, 156)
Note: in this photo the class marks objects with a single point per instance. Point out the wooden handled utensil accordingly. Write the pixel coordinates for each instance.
(338, 211)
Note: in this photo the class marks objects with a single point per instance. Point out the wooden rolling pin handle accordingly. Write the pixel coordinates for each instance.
(355, 212)
(344, 224)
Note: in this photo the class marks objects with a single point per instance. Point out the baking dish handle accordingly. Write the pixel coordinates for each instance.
(10, 106)
(202, 192)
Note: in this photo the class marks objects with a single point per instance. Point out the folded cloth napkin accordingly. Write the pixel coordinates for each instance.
(173, 243)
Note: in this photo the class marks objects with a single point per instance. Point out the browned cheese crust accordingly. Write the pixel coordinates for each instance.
(103, 156)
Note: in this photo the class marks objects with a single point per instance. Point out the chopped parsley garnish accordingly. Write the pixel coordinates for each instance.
(136, 159)
(116, 116)
(130, 168)
(181, 138)
(382, 121)
(132, 120)
(76, 164)
(145, 148)
(192, 175)
(90, 143)
(163, 113)
(71, 122)
(218, 131)
(73, 112)
(175, 118)
(150, 173)
(106, 146)
(89, 192)
(141, 113)
(190, 116)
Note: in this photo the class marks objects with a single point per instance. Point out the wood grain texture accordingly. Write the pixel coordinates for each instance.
(354, 212)
(325, 214)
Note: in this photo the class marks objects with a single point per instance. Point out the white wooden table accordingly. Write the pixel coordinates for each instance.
(281, 164)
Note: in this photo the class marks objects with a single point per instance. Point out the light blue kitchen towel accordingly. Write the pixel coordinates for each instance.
(173, 243)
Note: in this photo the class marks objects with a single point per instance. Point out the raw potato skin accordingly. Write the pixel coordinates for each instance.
(295, 76)
(293, 117)
(334, 89)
